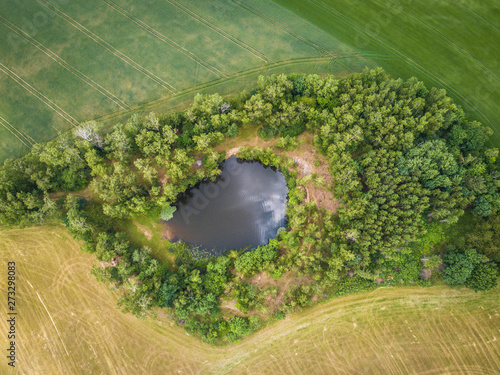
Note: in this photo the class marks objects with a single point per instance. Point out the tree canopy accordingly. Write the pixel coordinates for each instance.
(403, 159)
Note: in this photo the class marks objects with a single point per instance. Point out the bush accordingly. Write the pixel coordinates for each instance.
(232, 131)
(459, 265)
(167, 295)
(168, 213)
(238, 327)
(280, 315)
(293, 130)
(483, 277)
(252, 261)
(433, 262)
(287, 143)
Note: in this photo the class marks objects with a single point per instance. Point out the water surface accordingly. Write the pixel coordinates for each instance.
(245, 206)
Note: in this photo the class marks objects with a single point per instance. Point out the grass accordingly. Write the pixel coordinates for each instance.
(69, 324)
(64, 62)
(148, 231)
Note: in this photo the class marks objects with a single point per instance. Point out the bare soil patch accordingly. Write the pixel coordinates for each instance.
(246, 138)
(308, 159)
(283, 284)
(231, 305)
(144, 230)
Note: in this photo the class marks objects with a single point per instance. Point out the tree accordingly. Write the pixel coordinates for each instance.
(485, 236)
(238, 327)
(168, 213)
(167, 295)
(90, 131)
(155, 140)
(460, 264)
(483, 277)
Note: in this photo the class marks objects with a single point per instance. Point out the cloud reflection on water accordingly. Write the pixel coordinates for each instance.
(246, 206)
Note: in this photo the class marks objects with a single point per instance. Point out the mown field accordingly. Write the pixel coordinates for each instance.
(69, 324)
(63, 62)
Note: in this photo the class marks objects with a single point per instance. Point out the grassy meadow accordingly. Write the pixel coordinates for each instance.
(63, 62)
(68, 323)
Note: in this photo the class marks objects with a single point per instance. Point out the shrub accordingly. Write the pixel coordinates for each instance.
(459, 265)
(280, 315)
(483, 277)
(238, 328)
(252, 261)
(167, 295)
(232, 131)
(167, 213)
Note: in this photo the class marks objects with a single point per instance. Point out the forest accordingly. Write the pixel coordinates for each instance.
(407, 165)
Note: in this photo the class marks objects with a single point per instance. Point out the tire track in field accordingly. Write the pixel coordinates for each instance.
(151, 105)
(403, 56)
(108, 46)
(481, 334)
(120, 103)
(310, 43)
(221, 32)
(26, 136)
(460, 49)
(14, 134)
(11, 128)
(49, 103)
(478, 15)
(165, 39)
(50, 316)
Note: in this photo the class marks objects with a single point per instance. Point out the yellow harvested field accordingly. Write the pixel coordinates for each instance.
(68, 323)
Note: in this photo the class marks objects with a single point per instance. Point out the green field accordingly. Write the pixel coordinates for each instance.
(63, 62)
(66, 62)
(451, 45)
(68, 323)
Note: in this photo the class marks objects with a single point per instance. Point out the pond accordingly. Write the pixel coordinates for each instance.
(244, 206)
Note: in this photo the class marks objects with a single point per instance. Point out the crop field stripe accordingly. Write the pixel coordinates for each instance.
(165, 39)
(120, 103)
(310, 43)
(49, 103)
(38, 94)
(492, 24)
(25, 136)
(460, 49)
(108, 46)
(237, 75)
(338, 15)
(221, 32)
(14, 134)
(149, 106)
(50, 316)
(12, 128)
(158, 102)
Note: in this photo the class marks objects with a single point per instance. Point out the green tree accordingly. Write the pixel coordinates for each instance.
(460, 264)
(484, 276)
(168, 213)
(167, 295)
(485, 236)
